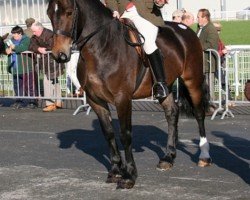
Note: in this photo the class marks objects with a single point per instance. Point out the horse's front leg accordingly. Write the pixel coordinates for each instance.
(124, 111)
(105, 120)
(172, 115)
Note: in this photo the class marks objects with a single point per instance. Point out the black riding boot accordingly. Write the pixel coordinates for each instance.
(160, 88)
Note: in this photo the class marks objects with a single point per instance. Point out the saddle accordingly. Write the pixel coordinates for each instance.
(134, 38)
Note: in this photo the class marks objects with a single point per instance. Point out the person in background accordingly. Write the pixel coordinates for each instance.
(20, 65)
(187, 19)
(28, 31)
(209, 39)
(42, 42)
(146, 20)
(71, 74)
(222, 50)
(177, 15)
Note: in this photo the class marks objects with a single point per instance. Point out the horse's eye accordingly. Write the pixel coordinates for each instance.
(69, 13)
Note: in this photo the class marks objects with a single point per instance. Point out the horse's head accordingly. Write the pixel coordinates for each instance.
(63, 16)
(2, 46)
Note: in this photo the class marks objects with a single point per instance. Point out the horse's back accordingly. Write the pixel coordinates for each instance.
(179, 35)
(181, 49)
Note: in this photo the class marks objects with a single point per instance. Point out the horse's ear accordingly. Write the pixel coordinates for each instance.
(5, 36)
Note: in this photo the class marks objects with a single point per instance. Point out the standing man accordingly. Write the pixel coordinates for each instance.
(42, 42)
(187, 19)
(177, 15)
(28, 31)
(209, 38)
(146, 16)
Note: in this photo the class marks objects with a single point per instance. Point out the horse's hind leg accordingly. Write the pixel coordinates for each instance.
(172, 114)
(105, 120)
(198, 95)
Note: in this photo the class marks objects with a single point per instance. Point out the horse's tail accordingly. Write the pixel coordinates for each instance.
(185, 101)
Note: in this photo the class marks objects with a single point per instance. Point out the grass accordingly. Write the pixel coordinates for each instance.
(234, 32)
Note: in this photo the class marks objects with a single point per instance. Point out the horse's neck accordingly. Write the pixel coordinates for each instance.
(93, 13)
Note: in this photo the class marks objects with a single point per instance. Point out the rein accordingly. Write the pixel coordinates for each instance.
(83, 40)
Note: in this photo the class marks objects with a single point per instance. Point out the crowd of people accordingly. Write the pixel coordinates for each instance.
(39, 40)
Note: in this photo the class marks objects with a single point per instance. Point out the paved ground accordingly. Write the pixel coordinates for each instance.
(47, 156)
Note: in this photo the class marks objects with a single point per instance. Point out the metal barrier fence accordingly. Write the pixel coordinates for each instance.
(33, 79)
(236, 70)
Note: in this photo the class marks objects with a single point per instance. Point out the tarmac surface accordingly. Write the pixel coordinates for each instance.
(58, 156)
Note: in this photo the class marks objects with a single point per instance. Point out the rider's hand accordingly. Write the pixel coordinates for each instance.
(116, 14)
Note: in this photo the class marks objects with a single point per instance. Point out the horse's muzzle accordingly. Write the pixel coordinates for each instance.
(63, 58)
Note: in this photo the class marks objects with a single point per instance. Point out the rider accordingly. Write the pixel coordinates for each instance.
(147, 26)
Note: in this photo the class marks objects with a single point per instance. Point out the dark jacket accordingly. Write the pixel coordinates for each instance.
(46, 40)
(23, 62)
(146, 8)
(209, 39)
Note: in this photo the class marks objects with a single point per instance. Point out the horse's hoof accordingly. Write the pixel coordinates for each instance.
(113, 178)
(125, 184)
(164, 166)
(205, 162)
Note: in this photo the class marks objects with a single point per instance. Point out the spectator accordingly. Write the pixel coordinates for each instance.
(187, 19)
(28, 31)
(20, 65)
(71, 69)
(41, 43)
(209, 38)
(222, 50)
(177, 15)
(148, 27)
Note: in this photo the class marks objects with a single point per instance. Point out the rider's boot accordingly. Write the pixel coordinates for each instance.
(160, 89)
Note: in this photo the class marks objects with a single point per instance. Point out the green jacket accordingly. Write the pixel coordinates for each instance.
(146, 8)
(23, 61)
(209, 39)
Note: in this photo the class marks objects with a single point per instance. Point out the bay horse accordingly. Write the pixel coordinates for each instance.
(108, 70)
(2, 45)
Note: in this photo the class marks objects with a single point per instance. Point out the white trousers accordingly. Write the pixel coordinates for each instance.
(146, 28)
(71, 68)
(51, 90)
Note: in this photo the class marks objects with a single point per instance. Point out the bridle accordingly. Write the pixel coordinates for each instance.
(73, 31)
(81, 41)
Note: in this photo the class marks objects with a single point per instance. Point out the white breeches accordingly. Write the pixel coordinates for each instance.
(146, 28)
(71, 68)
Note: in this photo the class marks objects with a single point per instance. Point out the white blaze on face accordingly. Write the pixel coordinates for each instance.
(204, 147)
(56, 7)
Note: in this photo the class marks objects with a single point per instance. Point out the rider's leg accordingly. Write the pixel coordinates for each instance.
(160, 88)
(149, 32)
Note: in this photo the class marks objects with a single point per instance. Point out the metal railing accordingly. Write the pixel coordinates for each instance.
(237, 72)
(35, 68)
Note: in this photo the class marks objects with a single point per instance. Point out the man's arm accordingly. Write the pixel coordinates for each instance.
(23, 46)
(34, 45)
